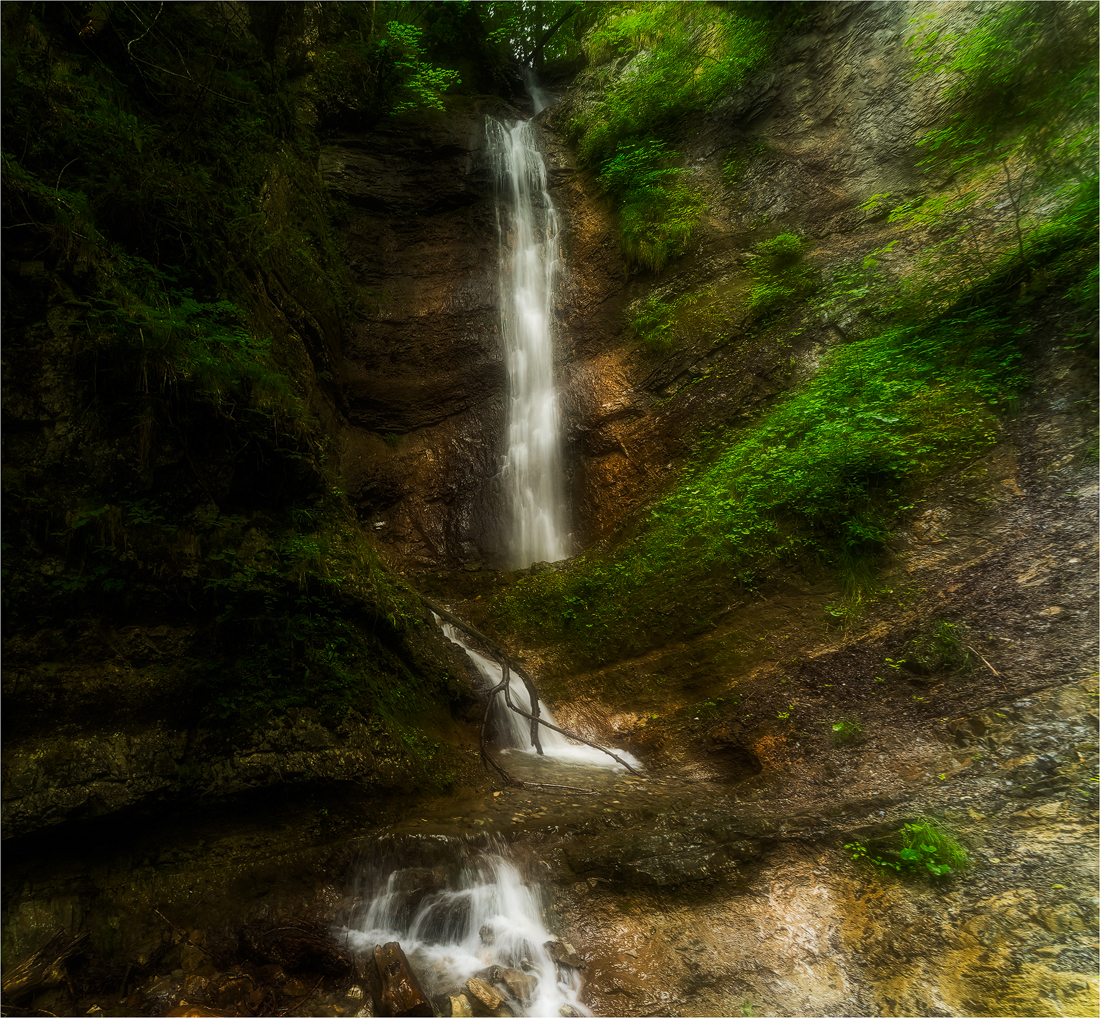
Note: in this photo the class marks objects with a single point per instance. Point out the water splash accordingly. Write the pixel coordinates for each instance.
(527, 230)
(463, 911)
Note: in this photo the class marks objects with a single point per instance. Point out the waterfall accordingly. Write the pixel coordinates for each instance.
(460, 911)
(527, 231)
(513, 732)
(540, 98)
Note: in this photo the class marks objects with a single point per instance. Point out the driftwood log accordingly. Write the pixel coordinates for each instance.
(507, 665)
(45, 968)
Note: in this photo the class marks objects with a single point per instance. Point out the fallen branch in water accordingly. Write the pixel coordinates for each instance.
(504, 660)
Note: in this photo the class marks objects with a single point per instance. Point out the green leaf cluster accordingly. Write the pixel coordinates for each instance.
(682, 57)
(925, 849)
(421, 83)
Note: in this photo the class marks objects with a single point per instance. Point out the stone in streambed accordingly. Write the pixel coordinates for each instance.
(520, 985)
(460, 1007)
(485, 1000)
(563, 954)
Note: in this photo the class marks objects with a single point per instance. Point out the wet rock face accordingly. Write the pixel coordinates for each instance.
(834, 121)
(424, 383)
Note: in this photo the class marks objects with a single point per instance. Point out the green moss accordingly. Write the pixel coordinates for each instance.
(194, 272)
(683, 57)
(780, 280)
(653, 324)
(823, 475)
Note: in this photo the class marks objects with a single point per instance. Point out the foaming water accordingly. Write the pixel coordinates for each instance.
(461, 912)
(513, 732)
(527, 229)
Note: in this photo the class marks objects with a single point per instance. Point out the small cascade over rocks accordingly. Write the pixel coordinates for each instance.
(471, 928)
(527, 228)
(513, 731)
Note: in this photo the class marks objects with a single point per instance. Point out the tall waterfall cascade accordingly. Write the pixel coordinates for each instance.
(480, 918)
(527, 229)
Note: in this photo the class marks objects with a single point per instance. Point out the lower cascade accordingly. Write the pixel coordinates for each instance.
(471, 927)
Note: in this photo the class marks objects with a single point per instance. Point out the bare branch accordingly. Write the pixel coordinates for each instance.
(504, 660)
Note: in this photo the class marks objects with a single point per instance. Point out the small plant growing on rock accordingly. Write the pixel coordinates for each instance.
(845, 731)
(927, 847)
(926, 850)
(941, 649)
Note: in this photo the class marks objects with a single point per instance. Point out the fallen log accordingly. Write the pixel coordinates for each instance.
(45, 968)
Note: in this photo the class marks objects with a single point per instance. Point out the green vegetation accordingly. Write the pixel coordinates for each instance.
(160, 180)
(780, 278)
(671, 61)
(941, 649)
(928, 365)
(845, 731)
(1021, 139)
(653, 324)
(683, 58)
(923, 848)
(658, 212)
(823, 473)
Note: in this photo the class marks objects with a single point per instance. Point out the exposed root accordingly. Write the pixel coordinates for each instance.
(504, 660)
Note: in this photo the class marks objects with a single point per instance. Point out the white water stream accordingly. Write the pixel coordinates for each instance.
(513, 731)
(458, 921)
(527, 228)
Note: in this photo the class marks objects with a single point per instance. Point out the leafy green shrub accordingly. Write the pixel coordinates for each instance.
(926, 849)
(782, 251)
(780, 278)
(658, 212)
(941, 649)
